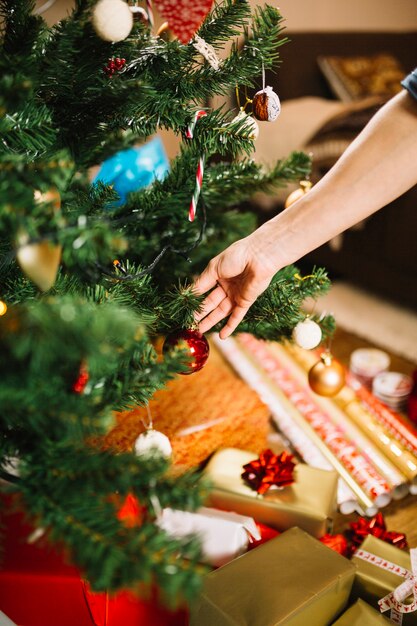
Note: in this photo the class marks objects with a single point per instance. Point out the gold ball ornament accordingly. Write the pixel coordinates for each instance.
(112, 20)
(51, 197)
(327, 376)
(305, 186)
(165, 33)
(40, 262)
(3, 308)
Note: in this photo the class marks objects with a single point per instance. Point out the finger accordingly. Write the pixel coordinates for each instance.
(207, 280)
(222, 311)
(233, 322)
(210, 303)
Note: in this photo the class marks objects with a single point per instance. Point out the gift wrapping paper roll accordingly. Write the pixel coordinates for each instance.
(397, 480)
(332, 438)
(394, 422)
(380, 435)
(301, 442)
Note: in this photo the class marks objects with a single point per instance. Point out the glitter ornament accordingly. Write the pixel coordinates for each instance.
(112, 20)
(153, 442)
(184, 16)
(327, 376)
(193, 343)
(266, 105)
(307, 334)
(305, 186)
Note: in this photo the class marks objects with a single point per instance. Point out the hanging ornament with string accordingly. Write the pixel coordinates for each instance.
(266, 104)
(307, 334)
(112, 20)
(151, 441)
(305, 186)
(327, 376)
(193, 343)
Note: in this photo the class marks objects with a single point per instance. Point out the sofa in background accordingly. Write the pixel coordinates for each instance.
(381, 254)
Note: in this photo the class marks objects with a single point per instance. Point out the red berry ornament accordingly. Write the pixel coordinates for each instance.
(114, 65)
(193, 343)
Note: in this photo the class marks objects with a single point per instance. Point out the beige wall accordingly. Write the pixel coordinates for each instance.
(304, 15)
(382, 15)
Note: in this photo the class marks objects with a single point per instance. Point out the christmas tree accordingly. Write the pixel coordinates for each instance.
(89, 277)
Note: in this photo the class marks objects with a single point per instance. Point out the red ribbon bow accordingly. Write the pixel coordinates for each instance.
(376, 527)
(270, 469)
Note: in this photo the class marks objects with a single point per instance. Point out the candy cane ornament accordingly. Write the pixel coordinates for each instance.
(200, 168)
(149, 10)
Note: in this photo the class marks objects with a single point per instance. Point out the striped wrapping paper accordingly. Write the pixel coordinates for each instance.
(344, 455)
(387, 439)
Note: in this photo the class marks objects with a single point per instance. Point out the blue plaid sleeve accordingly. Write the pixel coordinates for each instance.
(410, 83)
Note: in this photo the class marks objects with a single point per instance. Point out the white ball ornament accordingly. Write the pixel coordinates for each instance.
(153, 442)
(250, 124)
(307, 334)
(112, 20)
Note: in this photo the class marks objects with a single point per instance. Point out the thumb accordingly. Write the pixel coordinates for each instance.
(207, 280)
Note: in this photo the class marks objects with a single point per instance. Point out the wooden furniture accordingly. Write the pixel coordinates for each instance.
(382, 256)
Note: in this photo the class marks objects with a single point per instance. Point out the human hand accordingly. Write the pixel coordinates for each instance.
(241, 273)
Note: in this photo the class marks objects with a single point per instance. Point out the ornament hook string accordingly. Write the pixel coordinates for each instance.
(148, 425)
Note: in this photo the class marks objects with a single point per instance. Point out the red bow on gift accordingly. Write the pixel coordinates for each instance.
(270, 469)
(376, 527)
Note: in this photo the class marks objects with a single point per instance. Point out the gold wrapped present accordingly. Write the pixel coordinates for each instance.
(381, 568)
(293, 580)
(361, 614)
(308, 503)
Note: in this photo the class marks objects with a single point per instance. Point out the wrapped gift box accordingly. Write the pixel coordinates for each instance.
(309, 503)
(38, 588)
(361, 614)
(293, 580)
(379, 567)
(224, 535)
(201, 413)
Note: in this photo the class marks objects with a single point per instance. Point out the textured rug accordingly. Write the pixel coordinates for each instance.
(378, 321)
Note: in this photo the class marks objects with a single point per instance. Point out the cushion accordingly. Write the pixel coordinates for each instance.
(356, 77)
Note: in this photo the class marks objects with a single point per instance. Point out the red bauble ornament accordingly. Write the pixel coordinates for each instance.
(184, 16)
(194, 343)
(81, 380)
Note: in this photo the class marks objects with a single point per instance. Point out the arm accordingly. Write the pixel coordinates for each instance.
(379, 165)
